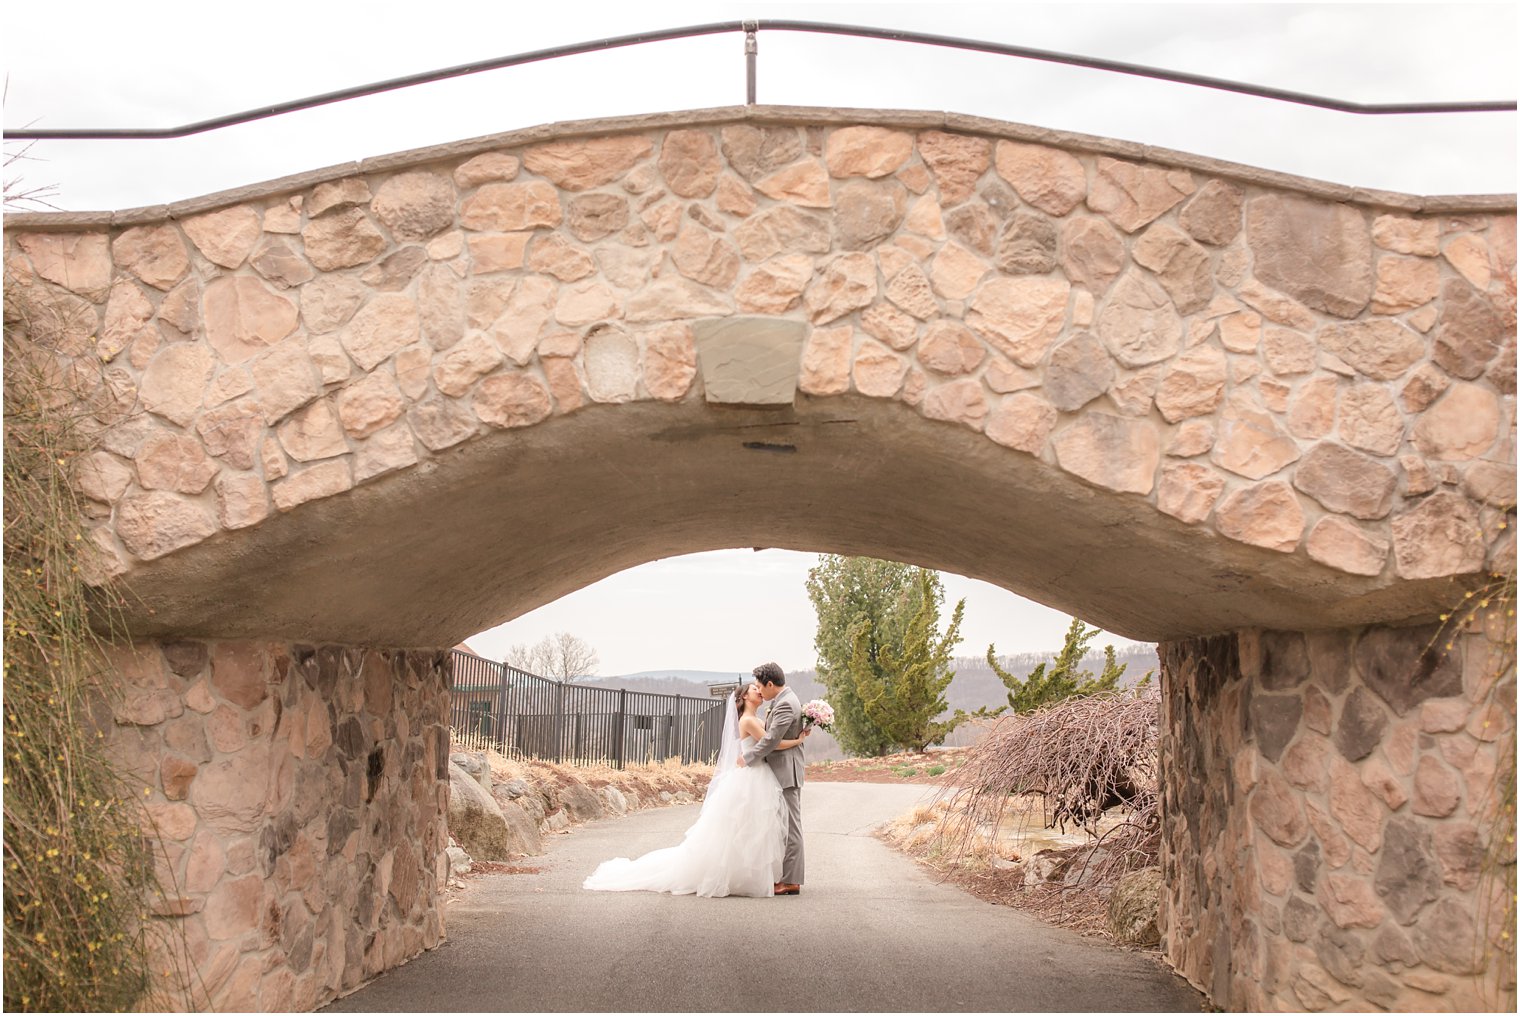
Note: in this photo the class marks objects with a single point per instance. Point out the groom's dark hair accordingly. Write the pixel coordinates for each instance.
(770, 673)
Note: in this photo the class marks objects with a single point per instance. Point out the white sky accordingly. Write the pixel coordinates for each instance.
(166, 62)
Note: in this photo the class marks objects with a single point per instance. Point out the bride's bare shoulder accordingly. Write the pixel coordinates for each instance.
(753, 727)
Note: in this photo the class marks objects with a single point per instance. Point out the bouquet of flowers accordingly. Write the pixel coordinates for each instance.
(817, 713)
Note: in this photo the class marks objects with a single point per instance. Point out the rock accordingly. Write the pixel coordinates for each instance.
(285, 379)
(1020, 316)
(670, 361)
(329, 301)
(1188, 491)
(1461, 426)
(1469, 256)
(962, 402)
(1274, 720)
(957, 162)
(1346, 481)
(1194, 386)
(1194, 437)
(579, 164)
(224, 237)
(1407, 876)
(1341, 544)
(1026, 245)
(1180, 264)
(866, 151)
(175, 382)
(1022, 422)
(277, 262)
(1379, 348)
(1437, 790)
(243, 317)
(591, 217)
(387, 322)
(474, 763)
(1468, 332)
(1138, 323)
(1370, 420)
(1133, 908)
(415, 205)
(155, 254)
(754, 151)
(826, 361)
(512, 207)
(1275, 809)
(1446, 939)
(1404, 284)
(342, 239)
(460, 862)
(79, 262)
(1092, 253)
(775, 286)
(1407, 236)
(865, 213)
(474, 818)
(783, 230)
(705, 257)
(511, 400)
(1406, 666)
(440, 423)
(689, 163)
(877, 372)
(805, 184)
(1361, 725)
(1132, 195)
(127, 315)
(1287, 352)
(847, 283)
(1320, 254)
(955, 272)
(317, 481)
(950, 348)
(1050, 179)
(1110, 451)
(1079, 371)
(1250, 443)
(1265, 515)
(153, 524)
(485, 168)
(1213, 215)
(1439, 536)
(176, 462)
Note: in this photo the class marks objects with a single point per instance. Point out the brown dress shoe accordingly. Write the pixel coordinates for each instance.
(787, 889)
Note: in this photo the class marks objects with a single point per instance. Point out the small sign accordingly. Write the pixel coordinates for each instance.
(722, 690)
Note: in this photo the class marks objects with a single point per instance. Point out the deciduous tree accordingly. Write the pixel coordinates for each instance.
(561, 656)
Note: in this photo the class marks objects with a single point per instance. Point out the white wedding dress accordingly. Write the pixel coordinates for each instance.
(733, 849)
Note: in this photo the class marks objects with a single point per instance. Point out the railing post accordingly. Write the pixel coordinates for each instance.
(499, 728)
(559, 721)
(751, 49)
(622, 723)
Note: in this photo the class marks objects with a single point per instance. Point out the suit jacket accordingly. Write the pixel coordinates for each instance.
(783, 721)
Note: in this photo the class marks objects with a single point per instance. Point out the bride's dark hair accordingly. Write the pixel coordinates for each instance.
(739, 697)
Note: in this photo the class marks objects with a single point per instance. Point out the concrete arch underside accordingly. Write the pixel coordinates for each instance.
(1268, 422)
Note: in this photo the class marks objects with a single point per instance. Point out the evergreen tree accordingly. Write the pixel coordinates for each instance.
(1064, 678)
(861, 598)
(902, 689)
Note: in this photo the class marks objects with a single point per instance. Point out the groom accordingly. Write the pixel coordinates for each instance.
(783, 721)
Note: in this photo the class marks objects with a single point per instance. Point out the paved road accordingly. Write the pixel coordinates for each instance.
(872, 932)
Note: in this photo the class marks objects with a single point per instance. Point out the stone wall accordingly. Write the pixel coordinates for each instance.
(1328, 803)
(1299, 368)
(299, 795)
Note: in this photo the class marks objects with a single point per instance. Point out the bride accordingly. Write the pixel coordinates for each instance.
(735, 846)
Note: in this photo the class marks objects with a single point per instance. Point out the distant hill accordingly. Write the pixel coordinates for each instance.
(974, 686)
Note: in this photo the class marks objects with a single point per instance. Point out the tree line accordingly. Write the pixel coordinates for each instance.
(886, 664)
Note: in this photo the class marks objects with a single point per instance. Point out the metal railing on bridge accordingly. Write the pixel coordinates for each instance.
(517, 713)
(751, 30)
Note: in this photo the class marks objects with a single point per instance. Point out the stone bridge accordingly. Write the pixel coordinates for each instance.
(1264, 420)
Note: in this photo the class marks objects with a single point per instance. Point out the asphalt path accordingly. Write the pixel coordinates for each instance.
(871, 932)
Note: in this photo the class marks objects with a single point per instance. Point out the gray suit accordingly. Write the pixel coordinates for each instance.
(783, 721)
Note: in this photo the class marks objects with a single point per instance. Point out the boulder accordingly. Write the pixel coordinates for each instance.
(475, 820)
(613, 800)
(474, 763)
(460, 862)
(581, 802)
(1132, 908)
(522, 828)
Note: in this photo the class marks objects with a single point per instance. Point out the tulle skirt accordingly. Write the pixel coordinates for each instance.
(733, 849)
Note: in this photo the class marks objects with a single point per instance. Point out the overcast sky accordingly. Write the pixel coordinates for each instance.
(156, 63)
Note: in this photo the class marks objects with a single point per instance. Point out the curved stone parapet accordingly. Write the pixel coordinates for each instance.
(1260, 374)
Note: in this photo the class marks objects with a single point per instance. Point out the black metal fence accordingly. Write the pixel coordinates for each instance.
(518, 713)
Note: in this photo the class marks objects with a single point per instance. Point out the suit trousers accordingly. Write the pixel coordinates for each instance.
(791, 861)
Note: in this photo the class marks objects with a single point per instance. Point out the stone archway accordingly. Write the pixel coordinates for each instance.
(503, 369)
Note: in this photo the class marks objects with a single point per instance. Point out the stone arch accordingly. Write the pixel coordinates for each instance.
(501, 369)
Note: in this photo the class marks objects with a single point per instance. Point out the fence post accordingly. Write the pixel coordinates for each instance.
(499, 728)
(559, 721)
(622, 723)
